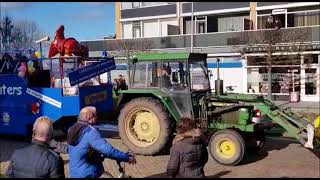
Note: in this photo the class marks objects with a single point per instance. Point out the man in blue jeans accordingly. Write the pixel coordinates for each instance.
(87, 148)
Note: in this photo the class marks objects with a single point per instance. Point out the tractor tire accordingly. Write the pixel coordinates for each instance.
(144, 126)
(227, 147)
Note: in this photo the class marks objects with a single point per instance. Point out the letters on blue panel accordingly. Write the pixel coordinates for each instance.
(93, 70)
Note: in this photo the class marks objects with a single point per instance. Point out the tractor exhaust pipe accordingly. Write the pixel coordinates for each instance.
(218, 83)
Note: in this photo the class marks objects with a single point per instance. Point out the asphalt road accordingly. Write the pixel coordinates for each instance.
(280, 158)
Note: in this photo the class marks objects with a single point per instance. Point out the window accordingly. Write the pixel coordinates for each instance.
(212, 24)
(281, 79)
(201, 23)
(126, 5)
(139, 79)
(262, 21)
(174, 80)
(127, 30)
(199, 76)
(311, 59)
(187, 25)
(167, 27)
(231, 23)
(201, 27)
(280, 20)
(136, 28)
(135, 4)
(153, 73)
(150, 28)
(144, 4)
(248, 24)
(310, 81)
(304, 19)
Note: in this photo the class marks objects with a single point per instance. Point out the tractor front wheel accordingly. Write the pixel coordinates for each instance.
(144, 126)
(227, 147)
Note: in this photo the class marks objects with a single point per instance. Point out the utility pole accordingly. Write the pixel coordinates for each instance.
(192, 28)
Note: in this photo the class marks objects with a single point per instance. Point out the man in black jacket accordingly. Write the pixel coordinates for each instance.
(37, 160)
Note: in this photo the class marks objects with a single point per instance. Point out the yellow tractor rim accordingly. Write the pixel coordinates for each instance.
(226, 148)
(143, 127)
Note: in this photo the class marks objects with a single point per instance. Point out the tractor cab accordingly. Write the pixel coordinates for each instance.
(179, 75)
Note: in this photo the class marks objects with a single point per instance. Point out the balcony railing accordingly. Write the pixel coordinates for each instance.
(219, 39)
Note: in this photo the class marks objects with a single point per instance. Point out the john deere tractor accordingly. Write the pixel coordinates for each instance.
(166, 86)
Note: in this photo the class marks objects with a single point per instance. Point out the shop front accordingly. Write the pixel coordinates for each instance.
(294, 77)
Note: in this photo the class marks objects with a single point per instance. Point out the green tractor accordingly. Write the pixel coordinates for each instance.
(166, 86)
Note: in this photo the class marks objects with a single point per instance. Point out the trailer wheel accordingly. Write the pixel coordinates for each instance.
(227, 147)
(144, 126)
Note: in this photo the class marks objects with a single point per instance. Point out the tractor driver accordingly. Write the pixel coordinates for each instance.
(165, 78)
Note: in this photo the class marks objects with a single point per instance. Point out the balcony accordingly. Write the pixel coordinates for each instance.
(216, 40)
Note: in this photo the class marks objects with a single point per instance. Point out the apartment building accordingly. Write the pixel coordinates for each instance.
(217, 26)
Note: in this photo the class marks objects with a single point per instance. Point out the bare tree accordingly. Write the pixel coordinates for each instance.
(19, 35)
(286, 43)
(125, 47)
(6, 27)
(30, 33)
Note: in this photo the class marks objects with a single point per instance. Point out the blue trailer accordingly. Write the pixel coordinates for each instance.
(57, 89)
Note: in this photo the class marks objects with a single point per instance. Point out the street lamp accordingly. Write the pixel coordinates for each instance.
(47, 38)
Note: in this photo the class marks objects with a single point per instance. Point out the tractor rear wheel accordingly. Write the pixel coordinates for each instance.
(227, 147)
(144, 126)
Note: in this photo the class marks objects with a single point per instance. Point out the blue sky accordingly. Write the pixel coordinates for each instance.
(82, 20)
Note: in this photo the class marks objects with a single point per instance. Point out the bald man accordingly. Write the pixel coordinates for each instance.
(87, 148)
(37, 160)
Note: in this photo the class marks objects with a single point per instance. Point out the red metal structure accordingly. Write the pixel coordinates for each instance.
(67, 47)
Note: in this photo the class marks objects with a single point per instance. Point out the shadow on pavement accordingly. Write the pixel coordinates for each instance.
(251, 157)
(271, 144)
(278, 143)
(219, 174)
(9, 144)
(164, 175)
(160, 175)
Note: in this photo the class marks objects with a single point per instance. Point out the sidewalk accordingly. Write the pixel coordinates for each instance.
(302, 106)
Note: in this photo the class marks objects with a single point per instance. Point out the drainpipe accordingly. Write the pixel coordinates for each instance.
(178, 17)
(192, 28)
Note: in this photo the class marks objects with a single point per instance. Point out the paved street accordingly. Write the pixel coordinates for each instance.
(280, 158)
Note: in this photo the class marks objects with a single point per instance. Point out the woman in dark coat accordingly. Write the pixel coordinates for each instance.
(188, 153)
